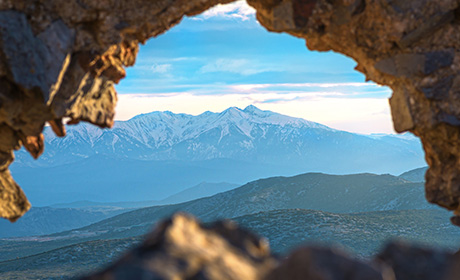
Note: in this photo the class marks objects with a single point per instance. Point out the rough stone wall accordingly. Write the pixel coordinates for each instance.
(59, 59)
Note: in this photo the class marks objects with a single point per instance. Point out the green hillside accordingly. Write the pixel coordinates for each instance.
(361, 233)
(66, 262)
(314, 191)
(415, 175)
(47, 220)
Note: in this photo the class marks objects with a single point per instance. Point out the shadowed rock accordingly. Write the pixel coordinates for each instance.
(409, 262)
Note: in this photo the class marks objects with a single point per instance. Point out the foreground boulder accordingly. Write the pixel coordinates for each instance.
(182, 248)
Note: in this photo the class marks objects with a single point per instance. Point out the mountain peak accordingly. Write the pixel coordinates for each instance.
(232, 109)
(233, 112)
(252, 108)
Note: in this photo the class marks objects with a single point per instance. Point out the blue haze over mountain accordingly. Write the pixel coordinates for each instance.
(152, 156)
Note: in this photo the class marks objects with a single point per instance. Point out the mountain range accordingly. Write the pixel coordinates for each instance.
(155, 155)
(203, 189)
(250, 135)
(147, 168)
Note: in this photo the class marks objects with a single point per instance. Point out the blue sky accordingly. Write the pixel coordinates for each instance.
(224, 58)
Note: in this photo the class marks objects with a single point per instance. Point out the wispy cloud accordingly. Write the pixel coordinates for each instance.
(161, 68)
(348, 90)
(280, 90)
(252, 87)
(239, 10)
(244, 67)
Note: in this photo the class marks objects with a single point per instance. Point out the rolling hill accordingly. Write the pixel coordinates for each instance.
(341, 194)
(361, 233)
(66, 262)
(47, 220)
(415, 175)
(315, 191)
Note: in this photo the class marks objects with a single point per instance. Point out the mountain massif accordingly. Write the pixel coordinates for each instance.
(250, 135)
(159, 154)
(154, 165)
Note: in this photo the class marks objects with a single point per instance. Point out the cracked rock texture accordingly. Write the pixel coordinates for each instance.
(182, 248)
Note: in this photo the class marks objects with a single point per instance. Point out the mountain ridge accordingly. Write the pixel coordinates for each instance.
(249, 134)
(315, 191)
(161, 153)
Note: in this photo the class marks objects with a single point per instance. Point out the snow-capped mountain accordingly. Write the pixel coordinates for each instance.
(165, 129)
(250, 135)
(165, 135)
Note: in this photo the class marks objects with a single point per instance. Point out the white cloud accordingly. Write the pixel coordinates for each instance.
(305, 86)
(239, 9)
(161, 68)
(240, 66)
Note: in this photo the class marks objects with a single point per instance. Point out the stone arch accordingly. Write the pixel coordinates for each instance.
(61, 59)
